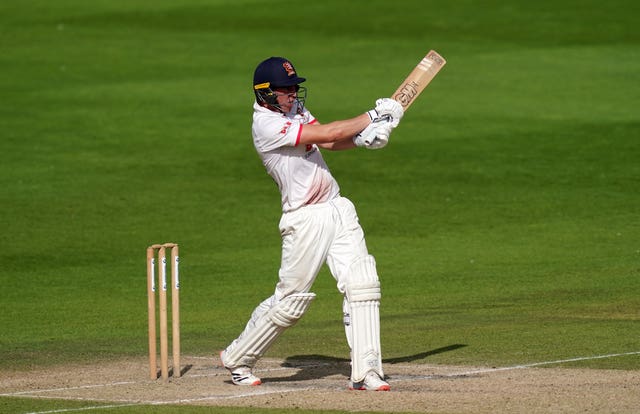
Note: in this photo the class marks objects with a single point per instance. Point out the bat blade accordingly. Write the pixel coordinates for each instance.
(418, 79)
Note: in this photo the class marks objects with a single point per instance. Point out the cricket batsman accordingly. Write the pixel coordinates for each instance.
(318, 225)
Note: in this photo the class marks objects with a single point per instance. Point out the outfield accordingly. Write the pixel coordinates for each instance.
(503, 214)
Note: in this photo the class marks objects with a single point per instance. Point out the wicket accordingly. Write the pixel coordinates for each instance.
(175, 310)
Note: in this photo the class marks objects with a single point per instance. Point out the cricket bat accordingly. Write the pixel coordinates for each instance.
(418, 79)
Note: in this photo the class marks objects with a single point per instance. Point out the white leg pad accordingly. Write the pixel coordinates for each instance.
(363, 294)
(266, 325)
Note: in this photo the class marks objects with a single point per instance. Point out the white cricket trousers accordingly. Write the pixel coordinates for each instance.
(316, 234)
(311, 236)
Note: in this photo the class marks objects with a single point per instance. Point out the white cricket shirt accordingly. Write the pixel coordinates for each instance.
(299, 170)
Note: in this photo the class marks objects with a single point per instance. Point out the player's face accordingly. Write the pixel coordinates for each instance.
(286, 97)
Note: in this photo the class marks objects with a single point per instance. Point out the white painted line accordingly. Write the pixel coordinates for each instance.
(230, 397)
(70, 410)
(559, 361)
(511, 368)
(180, 401)
(277, 390)
(80, 387)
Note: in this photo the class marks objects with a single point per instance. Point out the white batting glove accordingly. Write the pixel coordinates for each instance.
(382, 133)
(376, 135)
(366, 136)
(388, 106)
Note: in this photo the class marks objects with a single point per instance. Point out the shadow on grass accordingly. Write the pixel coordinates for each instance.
(313, 367)
(423, 355)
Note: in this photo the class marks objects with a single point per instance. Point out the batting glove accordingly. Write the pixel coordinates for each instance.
(388, 106)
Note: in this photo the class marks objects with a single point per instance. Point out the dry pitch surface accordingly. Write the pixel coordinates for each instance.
(321, 385)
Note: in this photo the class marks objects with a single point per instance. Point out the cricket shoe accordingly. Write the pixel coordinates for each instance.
(241, 375)
(372, 382)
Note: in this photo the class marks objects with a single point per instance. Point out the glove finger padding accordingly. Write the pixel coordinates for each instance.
(366, 136)
(382, 132)
(376, 134)
(378, 143)
(388, 106)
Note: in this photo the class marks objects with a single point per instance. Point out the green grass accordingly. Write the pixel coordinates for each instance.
(503, 215)
(21, 405)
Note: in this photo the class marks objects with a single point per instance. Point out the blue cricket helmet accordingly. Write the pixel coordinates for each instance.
(275, 72)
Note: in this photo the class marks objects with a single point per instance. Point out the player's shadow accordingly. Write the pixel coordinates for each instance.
(312, 367)
(423, 355)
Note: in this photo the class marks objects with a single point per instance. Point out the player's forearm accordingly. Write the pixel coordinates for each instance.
(339, 145)
(346, 129)
(334, 132)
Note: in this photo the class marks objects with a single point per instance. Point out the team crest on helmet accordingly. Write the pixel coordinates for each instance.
(289, 68)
